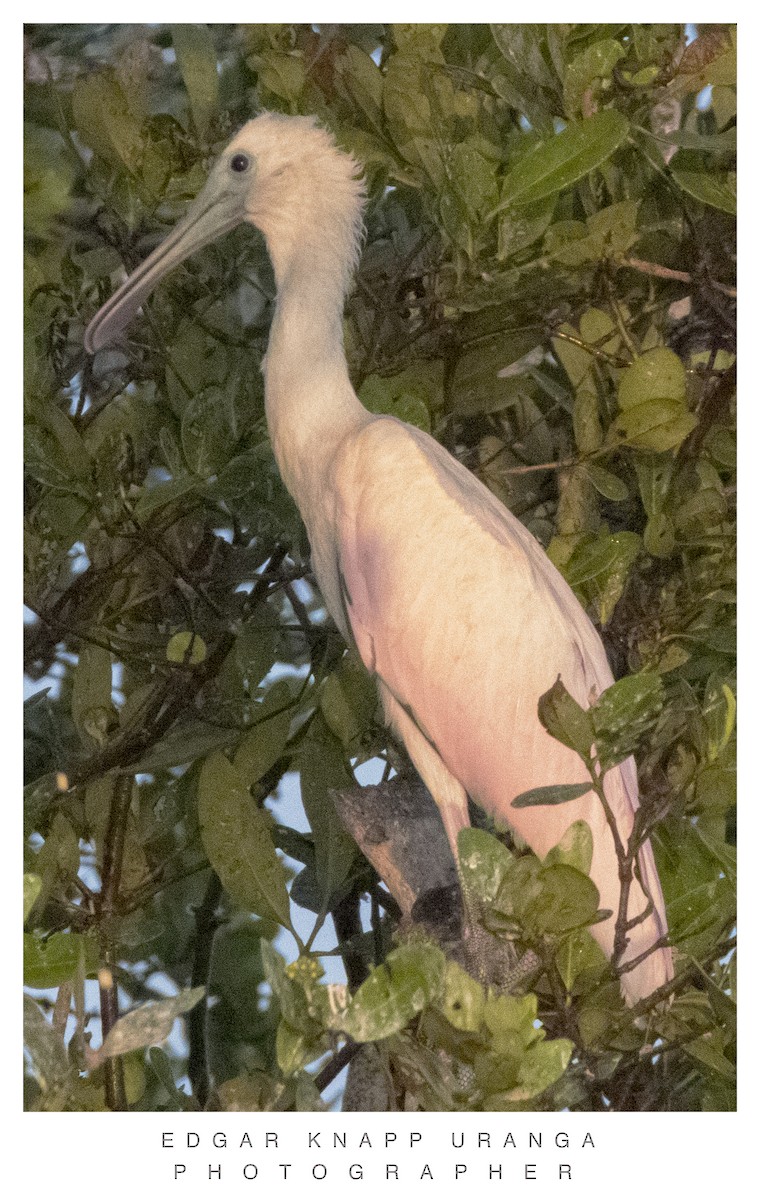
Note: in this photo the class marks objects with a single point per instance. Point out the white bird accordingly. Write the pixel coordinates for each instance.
(452, 604)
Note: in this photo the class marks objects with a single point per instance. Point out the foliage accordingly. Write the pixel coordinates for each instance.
(547, 285)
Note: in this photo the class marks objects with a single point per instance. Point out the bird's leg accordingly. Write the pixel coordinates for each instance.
(483, 956)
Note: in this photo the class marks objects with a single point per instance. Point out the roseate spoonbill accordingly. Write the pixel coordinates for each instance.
(451, 603)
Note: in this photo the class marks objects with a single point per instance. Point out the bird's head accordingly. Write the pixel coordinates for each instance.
(286, 176)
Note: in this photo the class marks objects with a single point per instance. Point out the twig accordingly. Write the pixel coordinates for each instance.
(336, 1064)
(527, 468)
(61, 1009)
(205, 925)
(114, 845)
(660, 272)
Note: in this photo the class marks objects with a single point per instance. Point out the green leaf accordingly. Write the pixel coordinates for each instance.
(197, 60)
(599, 568)
(104, 120)
(542, 1065)
(566, 899)
(526, 81)
(520, 227)
(92, 709)
(323, 768)
(160, 1064)
(473, 177)
(575, 848)
(580, 959)
(483, 863)
(518, 890)
(566, 721)
(186, 648)
(282, 74)
(609, 485)
(190, 742)
(239, 476)
(478, 386)
(716, 192)
(560, 161)
(46, 1048)
(512, 1014)
(364, 80)
(595, 63)
(624, 713)
(262, 745)
(207, 434)
(559, 793)
(161, 494)
(420, 39)
(408, 395)
(586, 425)
(708, 1050)
(654, 476)
(32, 885)
(48, 455)
(349, 700)
(236, 835)
(609, 233)
(658, 374)
(293, 1049)
(463, 1003)
(149, 1024)
(288, 994)
(255, 649)
(719, 710)
(58, 860)
(53, 961)
(411, 977)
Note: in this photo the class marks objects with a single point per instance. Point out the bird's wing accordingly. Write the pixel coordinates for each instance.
(455, 607)
(442, 584)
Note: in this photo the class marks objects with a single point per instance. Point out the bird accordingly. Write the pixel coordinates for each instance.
(452, 604)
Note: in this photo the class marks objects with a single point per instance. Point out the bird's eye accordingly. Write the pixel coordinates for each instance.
(239, 162)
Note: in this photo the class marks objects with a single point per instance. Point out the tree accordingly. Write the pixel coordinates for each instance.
(547, 286)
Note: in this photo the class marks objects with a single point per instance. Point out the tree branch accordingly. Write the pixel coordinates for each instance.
(206, 922)
(111, 871)
(660, 272)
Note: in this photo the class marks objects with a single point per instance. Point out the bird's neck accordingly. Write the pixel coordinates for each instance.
(310, 403)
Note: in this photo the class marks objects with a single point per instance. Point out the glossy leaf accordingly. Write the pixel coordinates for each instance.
(624, 713)
(32, 885)
(323, 768)
(92, 709)
(565, 720)
(104, 120)
(49, 963)
(186, 648)
(46, 1048)
(463, 1003)
(149, 1024)
(262, 745)
(715, 192)
(237, 838)
(483, 863)
(410, 978)
(657, 375)
(566, 899)
(575, 848)
(559, 793)
(195, 51)
(560, 161)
